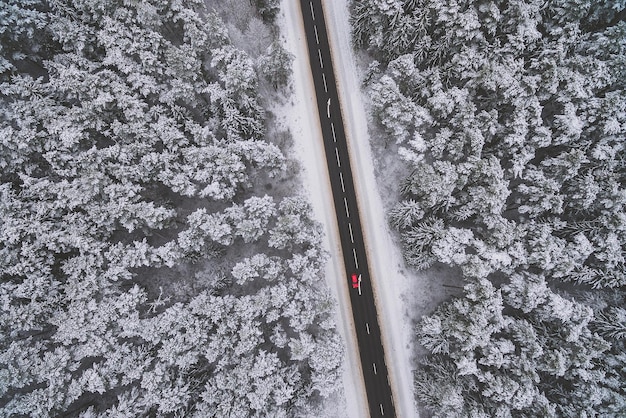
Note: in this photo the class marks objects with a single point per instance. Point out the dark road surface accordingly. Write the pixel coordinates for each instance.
(363, 307)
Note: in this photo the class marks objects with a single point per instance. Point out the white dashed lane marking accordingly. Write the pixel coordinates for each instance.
(343, 188)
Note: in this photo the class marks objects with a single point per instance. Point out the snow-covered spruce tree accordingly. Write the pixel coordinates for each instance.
(268, 9)
(275, 65)
(20, 31)
(130, 136)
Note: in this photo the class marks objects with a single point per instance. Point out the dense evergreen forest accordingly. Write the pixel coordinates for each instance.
(511, 116)
(148, 264)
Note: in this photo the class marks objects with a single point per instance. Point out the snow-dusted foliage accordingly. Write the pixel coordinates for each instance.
(521, 350)
(130, 136)
(512, 118)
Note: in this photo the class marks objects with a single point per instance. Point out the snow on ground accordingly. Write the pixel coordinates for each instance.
(402, 295)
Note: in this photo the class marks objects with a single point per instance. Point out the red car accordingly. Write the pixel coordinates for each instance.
(355, 281)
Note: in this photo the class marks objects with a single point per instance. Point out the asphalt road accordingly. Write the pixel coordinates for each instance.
(363, 307)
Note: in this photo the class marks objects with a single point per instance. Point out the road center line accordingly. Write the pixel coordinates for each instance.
(317, 39)
(312, 12)
(345, 202)
(319, 53)
(356, 262)
(325, 85)
(351, 236)
(332, 126)
(367, 326)
(337, 155)
(343, 188)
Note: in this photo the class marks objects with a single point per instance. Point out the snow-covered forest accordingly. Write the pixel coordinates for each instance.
(510, 117)
(154, 259)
